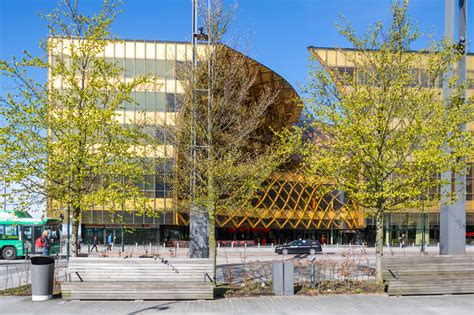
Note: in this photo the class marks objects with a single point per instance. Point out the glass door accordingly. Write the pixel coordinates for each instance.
(27, 238)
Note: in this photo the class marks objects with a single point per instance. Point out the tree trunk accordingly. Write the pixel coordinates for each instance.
(74, 232)
(379, 244)
(212, 241)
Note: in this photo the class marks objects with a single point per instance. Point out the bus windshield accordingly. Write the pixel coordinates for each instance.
(53, 226)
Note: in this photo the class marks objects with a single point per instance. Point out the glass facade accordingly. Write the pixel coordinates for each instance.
(156, 104)
(412, 223)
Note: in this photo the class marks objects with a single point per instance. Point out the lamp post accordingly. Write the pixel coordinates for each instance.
(422, 222)
(123, 210)
(68, 231)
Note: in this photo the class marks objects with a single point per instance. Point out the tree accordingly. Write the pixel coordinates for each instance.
(65, 141)
(385, 135)
(234, 148)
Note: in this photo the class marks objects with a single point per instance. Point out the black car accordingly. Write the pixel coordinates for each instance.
(299, 247)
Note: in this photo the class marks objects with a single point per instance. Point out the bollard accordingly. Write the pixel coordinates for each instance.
(218, 245)
(337, 245)
(272, 246)
(232, 245)
(350, 246)
(313, 272)
(150, 249)
(258, 245)
(136, 246)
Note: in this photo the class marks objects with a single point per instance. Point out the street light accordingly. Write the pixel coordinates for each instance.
(422, 222)
(123, 209)
(68, 231)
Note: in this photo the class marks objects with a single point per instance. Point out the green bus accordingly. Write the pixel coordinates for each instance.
(18, 236)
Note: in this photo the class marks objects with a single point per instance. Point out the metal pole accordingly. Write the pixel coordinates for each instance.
(68, 231)
(453, 215)
(123, 209)
(193, 102)
(5, 197)
(422, 222)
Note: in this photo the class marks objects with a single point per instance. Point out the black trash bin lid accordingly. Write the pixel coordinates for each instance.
(42, 260)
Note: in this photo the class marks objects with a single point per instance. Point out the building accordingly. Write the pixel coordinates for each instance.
(289, 208)
(409, 221)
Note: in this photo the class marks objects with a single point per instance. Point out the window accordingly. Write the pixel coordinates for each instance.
(150, 67)
(2, 230)
(160, 102)
(160, 69)
(141, 100)
(470, 79)
(169, 70)
(170, 102)
(139, 67)
(469, 178)
(9, 232)
(129, 105)
(150, 101)
(129, 68)
(149, 182)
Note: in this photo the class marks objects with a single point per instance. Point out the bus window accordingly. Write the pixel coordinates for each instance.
(54, 231)
(2, 231)
(10, 232)
(27, 233)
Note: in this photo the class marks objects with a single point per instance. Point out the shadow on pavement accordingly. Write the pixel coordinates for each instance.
(161, 307)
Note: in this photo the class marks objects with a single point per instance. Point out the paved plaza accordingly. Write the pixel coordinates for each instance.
(342, 304)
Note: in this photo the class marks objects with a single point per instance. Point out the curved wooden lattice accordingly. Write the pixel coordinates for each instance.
(288, 200)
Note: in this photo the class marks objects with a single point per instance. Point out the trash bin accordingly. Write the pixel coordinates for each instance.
(42, 278)
(283, 278)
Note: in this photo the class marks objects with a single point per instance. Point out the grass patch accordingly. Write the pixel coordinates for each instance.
(25, 290)
(323, 288)
(253, 289)
(342, 287)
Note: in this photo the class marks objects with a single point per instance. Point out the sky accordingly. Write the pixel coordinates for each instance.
(274, 32)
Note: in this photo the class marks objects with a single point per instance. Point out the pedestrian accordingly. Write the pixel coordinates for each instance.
(95, 242)
(323, 240)
(402, 240)
(45, 243)
(110, 239)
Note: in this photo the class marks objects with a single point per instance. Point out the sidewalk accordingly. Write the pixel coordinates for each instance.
(341, 304)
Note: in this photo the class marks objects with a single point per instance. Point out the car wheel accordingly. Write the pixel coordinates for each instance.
(284, 251)
(9, 253)
(312, 251)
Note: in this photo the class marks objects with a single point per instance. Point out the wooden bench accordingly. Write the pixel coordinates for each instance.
(422, 275)
(137, 279)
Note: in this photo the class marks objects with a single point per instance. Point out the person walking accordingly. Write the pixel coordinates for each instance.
(110, 239)
(45, 242)
(402, 240)
(95, 242)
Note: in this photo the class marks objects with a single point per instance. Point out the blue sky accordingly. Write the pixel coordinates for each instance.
(279, 30)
